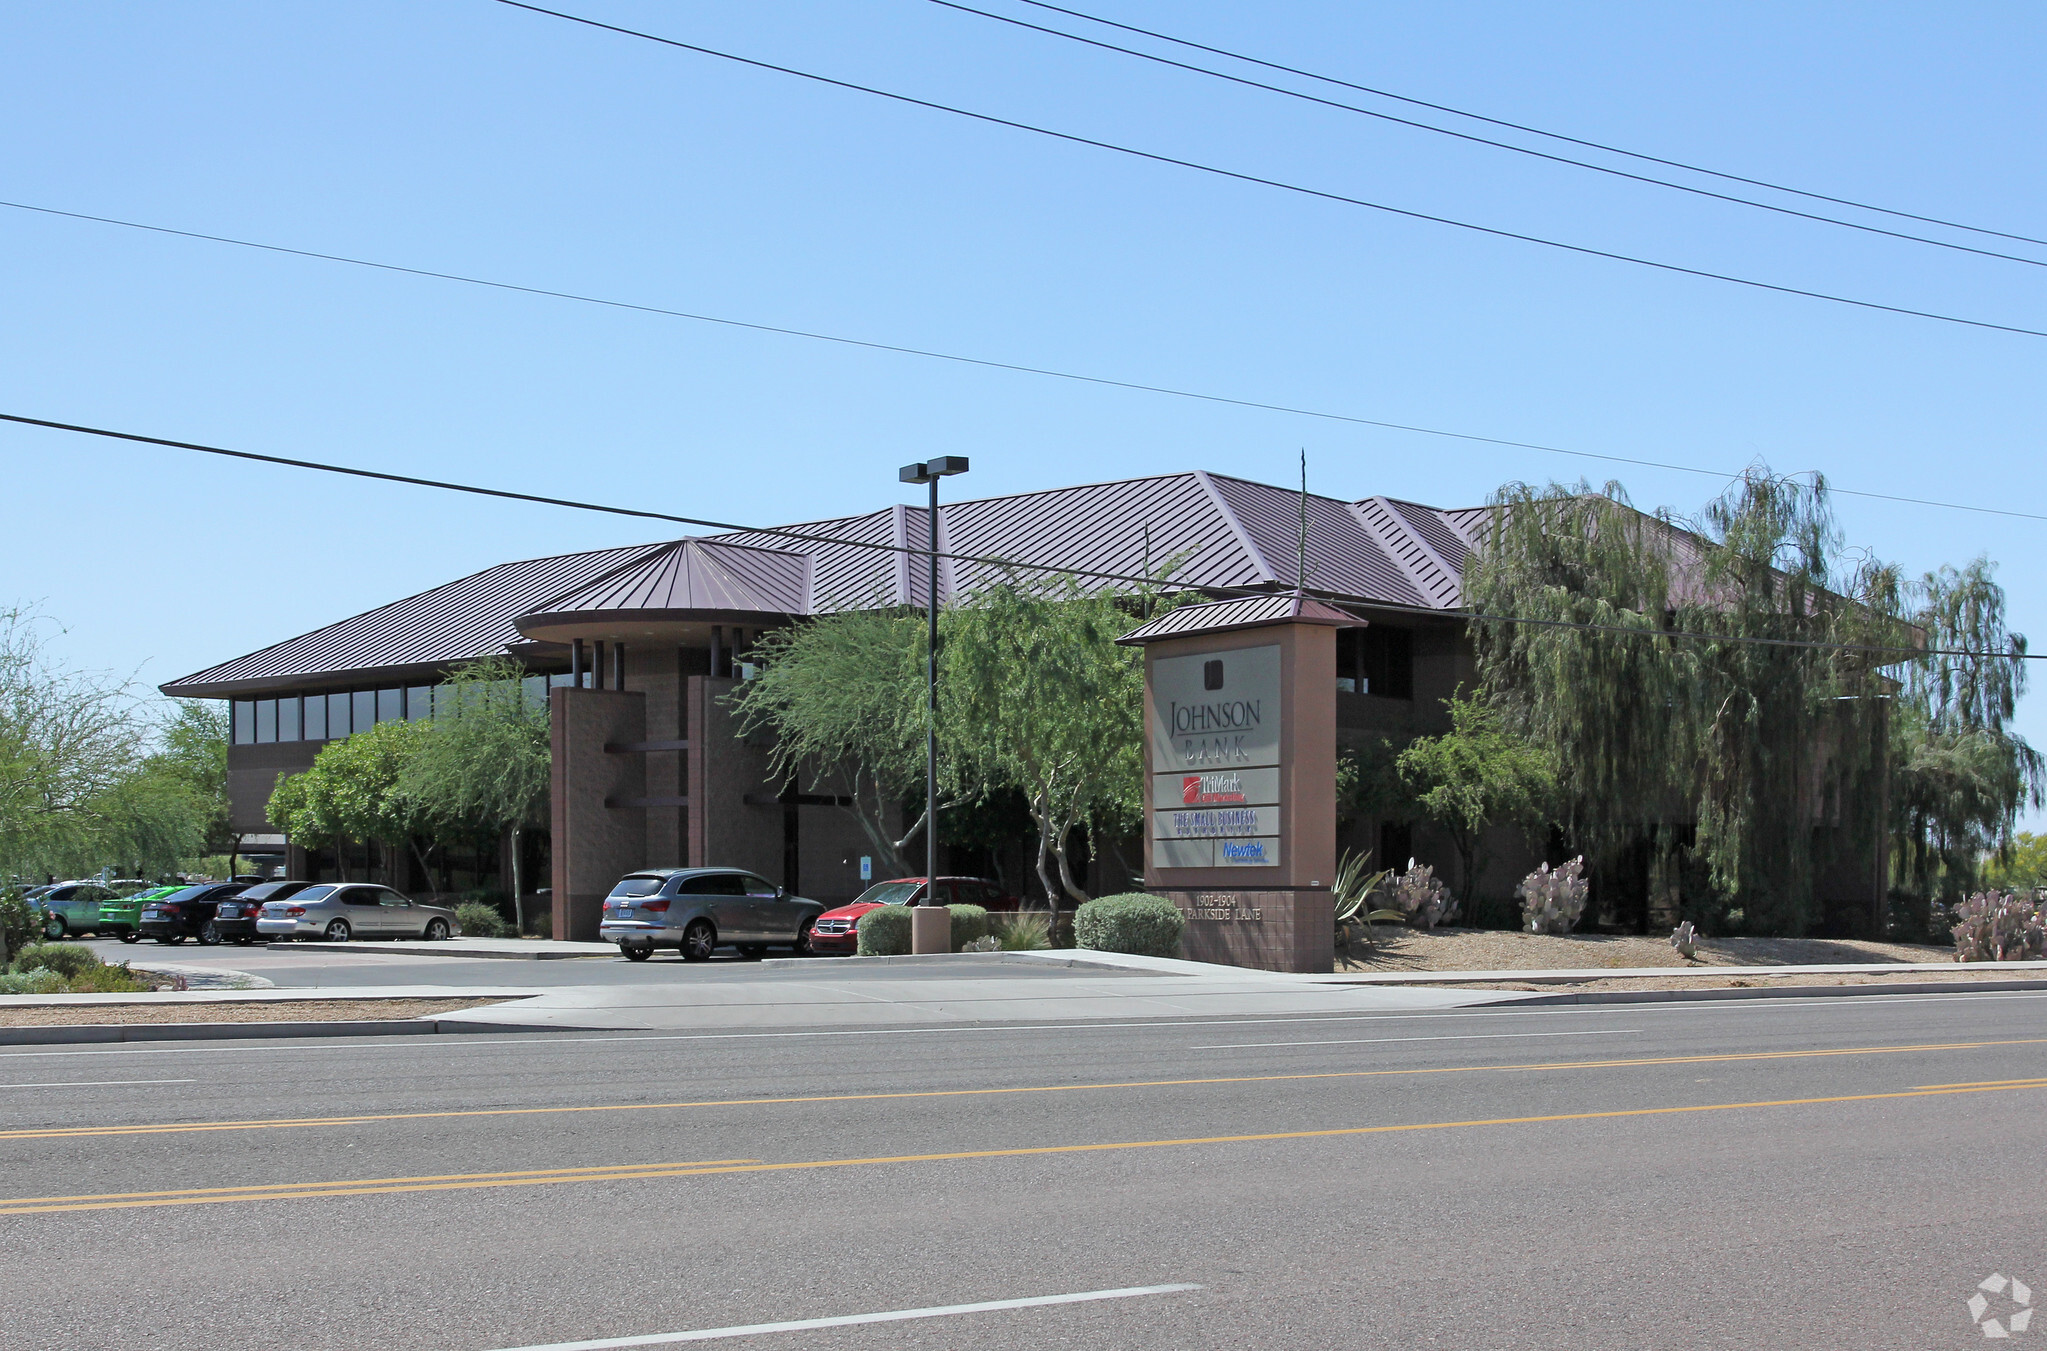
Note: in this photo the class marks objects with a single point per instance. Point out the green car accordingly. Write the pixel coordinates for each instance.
(120, 915)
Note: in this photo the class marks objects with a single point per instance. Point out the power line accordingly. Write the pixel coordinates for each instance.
(1280, 184)
(1483, 140)
(1534, 131)
(983, 362)
(984, 560)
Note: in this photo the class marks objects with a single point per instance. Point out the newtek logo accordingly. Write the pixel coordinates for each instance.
(1251, 851)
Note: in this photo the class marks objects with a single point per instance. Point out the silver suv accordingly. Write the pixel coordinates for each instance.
(694, 910)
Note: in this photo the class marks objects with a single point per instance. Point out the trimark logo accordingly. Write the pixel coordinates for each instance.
(2018, 1313)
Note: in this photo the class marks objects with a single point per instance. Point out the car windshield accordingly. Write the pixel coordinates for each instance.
(630, 887)
(889, 893)
(187, 893)
(319, 893)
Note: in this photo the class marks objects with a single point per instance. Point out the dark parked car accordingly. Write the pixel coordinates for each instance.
(235, 917)
(187, 914)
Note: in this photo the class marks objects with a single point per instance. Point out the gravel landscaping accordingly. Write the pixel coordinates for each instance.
(1449, 949)
(254, 1011)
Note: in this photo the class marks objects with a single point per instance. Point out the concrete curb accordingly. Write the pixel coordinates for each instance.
(450, 948)
(97, 1033)
(1757, 992)
(1069, 957)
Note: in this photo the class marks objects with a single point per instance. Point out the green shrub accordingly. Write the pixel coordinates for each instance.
(969, 922)
(39, 981)
(68, 960)
(1021, 931)
(108, 979)
(21, 920)
(540, 920)
(884, 931)
(1145, 926)
(481, 921)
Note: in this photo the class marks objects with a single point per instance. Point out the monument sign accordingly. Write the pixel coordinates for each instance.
(1240, 763)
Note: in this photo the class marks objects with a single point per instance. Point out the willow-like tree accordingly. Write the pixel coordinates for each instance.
(1724, 746)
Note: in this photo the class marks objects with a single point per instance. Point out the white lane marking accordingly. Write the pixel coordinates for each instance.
(103, 1083)
(1381, 1041)
(853, 1320)
(625, 1036)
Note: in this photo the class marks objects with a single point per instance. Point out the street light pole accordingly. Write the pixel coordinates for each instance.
(929, 473)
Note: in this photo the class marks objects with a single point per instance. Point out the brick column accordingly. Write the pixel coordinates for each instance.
(599, 827)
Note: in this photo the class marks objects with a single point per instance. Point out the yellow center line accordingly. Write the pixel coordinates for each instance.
(372, 1187)
(597, 1173)
(2033, 1081)
(278, 1123)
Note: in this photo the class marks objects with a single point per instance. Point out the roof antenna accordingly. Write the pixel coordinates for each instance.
(1301, 577)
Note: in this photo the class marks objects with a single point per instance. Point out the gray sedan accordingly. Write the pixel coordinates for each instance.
(338, 911)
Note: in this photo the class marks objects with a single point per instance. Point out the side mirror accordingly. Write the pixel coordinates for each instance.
(782, 893)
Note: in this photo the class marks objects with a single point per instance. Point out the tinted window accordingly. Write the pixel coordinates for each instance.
(270, 891)
(419, 702)
(363, 710)
(636, 886)
(245, 722)
(319, 893)
(362, 896)
(288, 718)
(756, 886)
(266, 720)
(315, 723)
(390, 705)
(715, 884)
(337, 716)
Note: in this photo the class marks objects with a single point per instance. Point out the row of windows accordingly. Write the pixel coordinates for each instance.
(330, 717)
(1375, 660)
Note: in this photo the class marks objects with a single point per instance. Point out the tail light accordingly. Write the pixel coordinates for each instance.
(294, 911)
(169, 909)
(658, 907)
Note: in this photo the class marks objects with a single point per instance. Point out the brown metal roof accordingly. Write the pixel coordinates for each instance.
(1218, 532)
(1244, 612)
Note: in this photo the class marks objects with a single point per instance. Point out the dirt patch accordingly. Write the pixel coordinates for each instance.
(1966, 975)
(266, 1011)
(1506, 950)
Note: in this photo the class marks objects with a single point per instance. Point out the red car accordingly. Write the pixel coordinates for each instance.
(834, 931)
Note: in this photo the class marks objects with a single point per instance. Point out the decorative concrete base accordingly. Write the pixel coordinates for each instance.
(930, 929)
(1266, 930)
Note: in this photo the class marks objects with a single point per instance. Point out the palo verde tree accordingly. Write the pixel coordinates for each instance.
(1479, 774)
(354, 790)
(1037, 696)
(841, 700)
(482, 768)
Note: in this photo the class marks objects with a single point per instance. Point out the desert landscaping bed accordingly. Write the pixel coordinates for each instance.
(263, 1011)
(1446, 949)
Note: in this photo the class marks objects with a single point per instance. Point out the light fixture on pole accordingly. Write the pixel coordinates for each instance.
(930, 472)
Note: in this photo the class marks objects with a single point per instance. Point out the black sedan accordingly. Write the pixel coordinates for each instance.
(187, 914)
(235, 917)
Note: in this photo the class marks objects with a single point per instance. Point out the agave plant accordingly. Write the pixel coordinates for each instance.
(1353, 891)
(1686, 940)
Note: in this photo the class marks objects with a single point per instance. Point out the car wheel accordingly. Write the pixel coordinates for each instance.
(802, 947)
(436, 930)
(209, 936)
(53, 927)
(636, 952)
(698, 940)
(338, 931)
(130, 936)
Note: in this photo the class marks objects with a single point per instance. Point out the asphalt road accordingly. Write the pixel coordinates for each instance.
(1807, 1173)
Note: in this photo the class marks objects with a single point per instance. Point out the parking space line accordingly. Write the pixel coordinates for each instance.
(857, 1319)
(296, 1123)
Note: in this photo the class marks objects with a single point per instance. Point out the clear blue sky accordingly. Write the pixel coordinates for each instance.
(470, 137)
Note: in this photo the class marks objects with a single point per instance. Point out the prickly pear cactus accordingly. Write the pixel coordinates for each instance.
(1686, 940)
(1425, 901)
(1998, 926)
(1552, 899)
